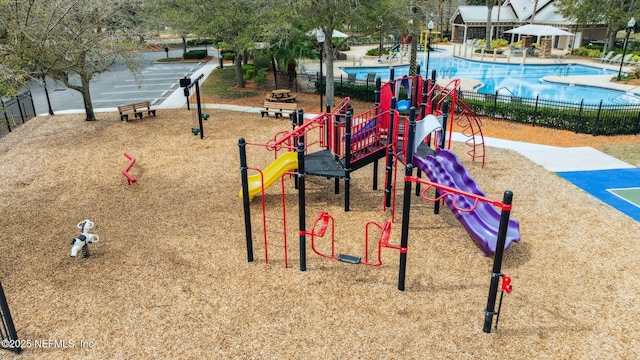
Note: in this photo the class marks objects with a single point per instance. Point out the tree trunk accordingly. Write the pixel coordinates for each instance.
(184, 44)
(86, 97)
(328, 52)
(239, 77)
(488, 30)
(414, 54)
(611, 39)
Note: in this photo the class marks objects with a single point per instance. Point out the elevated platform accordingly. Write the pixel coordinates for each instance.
(323, 163)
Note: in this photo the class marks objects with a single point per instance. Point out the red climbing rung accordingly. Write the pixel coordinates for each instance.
(324, 216)
(125, 171)
(384, 234)
(322, 219)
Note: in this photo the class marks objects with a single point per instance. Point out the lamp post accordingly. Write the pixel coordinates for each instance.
(430, 27)
(320, 38)
(630, 25)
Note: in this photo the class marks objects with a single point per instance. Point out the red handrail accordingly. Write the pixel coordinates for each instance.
(125, 171)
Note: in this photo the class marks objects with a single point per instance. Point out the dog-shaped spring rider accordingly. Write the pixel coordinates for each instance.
(82, 241)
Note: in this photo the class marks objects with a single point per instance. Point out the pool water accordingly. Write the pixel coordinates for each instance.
(513, 79)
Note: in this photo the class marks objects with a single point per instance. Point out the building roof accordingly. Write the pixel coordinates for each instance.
(478, 14)
(515, 11)
(524, 8)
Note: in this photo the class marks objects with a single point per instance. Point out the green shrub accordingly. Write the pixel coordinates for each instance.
(195, 54)
(261, 62)
(344, 47)
(498, 43)
(375, 52)
(226, 54)
(196, 42)
(261, 77)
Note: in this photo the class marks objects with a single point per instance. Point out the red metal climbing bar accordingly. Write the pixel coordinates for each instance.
(449, 191)
(125, 171)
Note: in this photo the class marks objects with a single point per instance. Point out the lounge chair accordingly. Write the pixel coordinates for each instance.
(604, 57)
(371, 78)
(614, 59)
(515, 51)
(627, 58)
(351, 78)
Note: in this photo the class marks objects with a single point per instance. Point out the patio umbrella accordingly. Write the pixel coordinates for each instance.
(334, 34)
(539, 30)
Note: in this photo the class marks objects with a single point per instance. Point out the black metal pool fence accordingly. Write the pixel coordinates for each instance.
(16, 111)
(582, 117)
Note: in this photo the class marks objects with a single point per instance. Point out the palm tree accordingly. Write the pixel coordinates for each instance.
(490, 4)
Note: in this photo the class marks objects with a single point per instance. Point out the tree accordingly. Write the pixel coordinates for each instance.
(178, 14)
(614, 13)
(329, 15)
(239, 24)
(490, 4)
(71, 40)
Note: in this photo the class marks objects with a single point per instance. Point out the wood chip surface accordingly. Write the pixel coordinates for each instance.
(169, 278)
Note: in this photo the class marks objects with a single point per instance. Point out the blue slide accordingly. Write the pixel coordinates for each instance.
(483, 222)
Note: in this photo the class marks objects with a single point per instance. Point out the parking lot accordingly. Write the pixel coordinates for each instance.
(117, 87)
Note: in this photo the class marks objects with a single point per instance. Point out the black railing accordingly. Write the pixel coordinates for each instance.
(16, 111)
(286, 80)
(582, 117)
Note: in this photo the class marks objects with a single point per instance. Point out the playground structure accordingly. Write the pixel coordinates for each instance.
(81, 243)
(390, 130)
(197, 127)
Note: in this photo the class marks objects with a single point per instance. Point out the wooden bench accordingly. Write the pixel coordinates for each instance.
(137, 109)
(278, 108)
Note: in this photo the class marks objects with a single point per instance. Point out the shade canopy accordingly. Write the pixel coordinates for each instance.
(539, 30)
(334, 34)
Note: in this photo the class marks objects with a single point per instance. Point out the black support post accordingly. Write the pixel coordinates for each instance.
(497, 261)
(199, 108)
(406, 207)
(242, 144)
(347, 161)
(7, 322)
(301, 208)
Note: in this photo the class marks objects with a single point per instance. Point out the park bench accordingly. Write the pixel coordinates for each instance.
(137, 109)
(278, 108)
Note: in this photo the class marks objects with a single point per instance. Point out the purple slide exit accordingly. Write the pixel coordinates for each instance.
(482, 222)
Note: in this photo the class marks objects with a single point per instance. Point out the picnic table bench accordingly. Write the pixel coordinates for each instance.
(137, 109)
(278, 108)
(281, 95)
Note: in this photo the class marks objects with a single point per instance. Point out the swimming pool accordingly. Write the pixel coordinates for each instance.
(513, 79)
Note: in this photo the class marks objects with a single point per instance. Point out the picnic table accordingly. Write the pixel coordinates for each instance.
(281, 95)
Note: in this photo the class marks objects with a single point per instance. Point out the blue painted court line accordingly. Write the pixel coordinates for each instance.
(598, 182)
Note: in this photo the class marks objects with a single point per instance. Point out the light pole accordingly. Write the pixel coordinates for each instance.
(430, 27)
(320, 38)
(630, 25)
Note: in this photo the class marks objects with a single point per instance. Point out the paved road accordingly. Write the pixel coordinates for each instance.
(118, 86)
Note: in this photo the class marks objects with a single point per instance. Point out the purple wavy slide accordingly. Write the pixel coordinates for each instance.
(482, 222)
